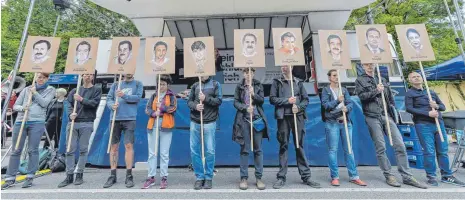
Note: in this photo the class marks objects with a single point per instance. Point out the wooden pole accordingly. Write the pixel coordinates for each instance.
(295, 117)
(431, 99)
(386, 117)
(251, 114)
(114, 113)
(26, 112)
(349, 145)
(201, 127)
(157, 132)
(71, 127)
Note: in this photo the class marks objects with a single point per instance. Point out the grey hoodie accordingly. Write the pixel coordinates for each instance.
(38, 108)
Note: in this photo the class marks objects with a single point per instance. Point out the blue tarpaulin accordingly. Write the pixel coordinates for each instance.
(227, 151)
(453, 69)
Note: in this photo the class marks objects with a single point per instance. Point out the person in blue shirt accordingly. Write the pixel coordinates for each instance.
(124, 101)
(424, 114)
(334, 104)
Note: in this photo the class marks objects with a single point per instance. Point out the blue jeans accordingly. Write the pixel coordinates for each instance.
(333, 131)
(34, 132)
(164, 146)
(203, 172)
(432, 147)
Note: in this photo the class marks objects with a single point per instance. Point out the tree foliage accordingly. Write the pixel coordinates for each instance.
(74, 23)
(433, 13)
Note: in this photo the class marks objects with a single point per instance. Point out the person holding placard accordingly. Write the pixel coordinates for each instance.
(334, 105)
(286, 106)
(164, 107)
(34, 128)
(88, 101)
(241, 127)
(128, 95)
(207, 102)
(369, 91)
(418, 104)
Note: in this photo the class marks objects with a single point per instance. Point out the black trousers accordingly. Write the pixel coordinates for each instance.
(257, 153)
(54, 130)
(284, 129)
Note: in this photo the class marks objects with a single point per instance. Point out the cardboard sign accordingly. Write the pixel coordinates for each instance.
(40, 54)
(373, 43)
(334, 49)
(123, 56)
(414, 42)
(82, 56)
(199, 57)
(249, 48)
(160, 55)
(288, 46)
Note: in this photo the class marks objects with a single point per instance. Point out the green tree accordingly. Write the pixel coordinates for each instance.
(430, 12)
(75, 22)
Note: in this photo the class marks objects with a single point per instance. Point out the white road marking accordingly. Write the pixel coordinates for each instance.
(310, 190)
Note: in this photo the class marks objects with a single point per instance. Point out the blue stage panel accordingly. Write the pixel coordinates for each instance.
(227, 151)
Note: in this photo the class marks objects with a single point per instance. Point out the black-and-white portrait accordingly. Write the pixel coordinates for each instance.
(41, 51)
(124, 52)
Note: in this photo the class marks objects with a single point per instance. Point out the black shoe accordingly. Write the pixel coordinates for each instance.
(198, 184)
(68, 180)
(79, 179)
(279, 184)
(452, 180)
(208, 184)
(8, 184)
(312, 184)
(27, 183)
(111, 180)
(129, 181)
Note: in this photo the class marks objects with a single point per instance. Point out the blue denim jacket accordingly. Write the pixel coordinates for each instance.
(329, 104)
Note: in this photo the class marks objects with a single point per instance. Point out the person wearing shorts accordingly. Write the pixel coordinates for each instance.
(124, 101)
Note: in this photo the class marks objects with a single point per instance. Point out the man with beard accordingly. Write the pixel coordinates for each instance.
(199, 54)
(249, 42)
(40, 51)
(288, 47)
(124, 52)
(373, 37)
(82, 53)
(413, 37)
(335, 43)
(124, 101)
(159, 55)
(88, 101)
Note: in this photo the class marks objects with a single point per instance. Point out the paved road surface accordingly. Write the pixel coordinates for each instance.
(226, 187)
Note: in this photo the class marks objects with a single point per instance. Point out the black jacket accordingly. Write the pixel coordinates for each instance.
(365, 88)
(86, 109)
(212, 91)
(280, 101)
(257, 101)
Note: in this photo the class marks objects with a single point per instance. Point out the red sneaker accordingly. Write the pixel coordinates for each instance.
(149, 183)
(335, 182)
(164, 183)
(358, 182)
